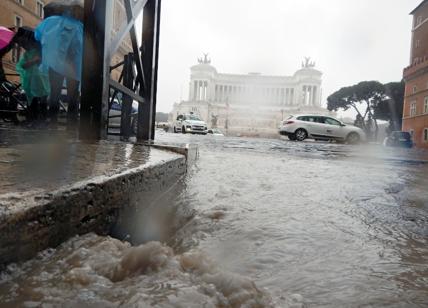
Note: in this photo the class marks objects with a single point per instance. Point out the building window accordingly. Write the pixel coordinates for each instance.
(426, 105)
(413, 109)
(418, 43)
(39, 9)
(18, 21)
(20, 2)
(419, 20)
(16, 51)
(412, 133)
(415, 88)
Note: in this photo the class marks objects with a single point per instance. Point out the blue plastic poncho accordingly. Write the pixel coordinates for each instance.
(61, 38)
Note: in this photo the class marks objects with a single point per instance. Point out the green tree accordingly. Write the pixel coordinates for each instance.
(363, 98)
(391, 108)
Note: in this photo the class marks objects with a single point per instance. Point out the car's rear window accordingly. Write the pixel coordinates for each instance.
(403, 135)
(307, 119)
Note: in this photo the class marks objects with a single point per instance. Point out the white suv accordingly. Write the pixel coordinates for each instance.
(319, 127)
(190, 123)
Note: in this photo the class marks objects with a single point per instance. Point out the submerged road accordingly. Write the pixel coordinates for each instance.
(271, 223)
(340, 225)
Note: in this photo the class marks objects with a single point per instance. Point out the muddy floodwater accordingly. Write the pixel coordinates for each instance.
(259, 223)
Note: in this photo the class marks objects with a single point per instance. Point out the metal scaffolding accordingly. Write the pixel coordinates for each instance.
(138, 80)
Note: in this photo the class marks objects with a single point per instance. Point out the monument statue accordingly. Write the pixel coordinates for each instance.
(308, 63)
(204, 60)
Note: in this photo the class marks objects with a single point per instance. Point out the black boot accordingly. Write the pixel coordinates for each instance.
(43, 111)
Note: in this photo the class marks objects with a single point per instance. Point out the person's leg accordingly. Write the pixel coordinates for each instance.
(43, 109)
(73, 101)
(34, 111)
(56, 81)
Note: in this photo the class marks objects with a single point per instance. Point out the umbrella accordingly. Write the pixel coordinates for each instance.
(73, 8)
(6, 36)
(25, 37)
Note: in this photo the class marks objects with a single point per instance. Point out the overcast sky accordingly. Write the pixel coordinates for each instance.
(350, 40)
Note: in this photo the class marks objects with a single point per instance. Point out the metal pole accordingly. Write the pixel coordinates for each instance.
(128, 81)
(98, 21)
(150, 56)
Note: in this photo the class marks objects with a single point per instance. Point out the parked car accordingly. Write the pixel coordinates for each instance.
(115, 114)
(190, 123)
(215, 132)
(163, 125)
(318, 127)
(399, 139)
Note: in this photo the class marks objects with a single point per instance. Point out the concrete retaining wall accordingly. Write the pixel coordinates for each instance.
(31, 222)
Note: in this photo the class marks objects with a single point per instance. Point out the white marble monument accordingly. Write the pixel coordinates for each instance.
(252, 104)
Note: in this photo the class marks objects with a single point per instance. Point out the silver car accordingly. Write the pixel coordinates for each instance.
(319, 127)
(115, 114)
(190, 124)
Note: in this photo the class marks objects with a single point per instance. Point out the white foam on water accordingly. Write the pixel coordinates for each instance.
(93, 270)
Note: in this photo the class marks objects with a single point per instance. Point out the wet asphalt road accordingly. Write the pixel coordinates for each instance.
(339, 225)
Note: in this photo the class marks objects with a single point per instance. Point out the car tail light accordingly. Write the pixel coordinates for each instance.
(288, 122)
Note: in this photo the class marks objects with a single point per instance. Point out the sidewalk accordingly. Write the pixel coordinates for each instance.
(59, 187)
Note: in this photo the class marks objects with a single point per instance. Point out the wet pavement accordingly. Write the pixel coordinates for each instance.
(52, 165)
(269, 223)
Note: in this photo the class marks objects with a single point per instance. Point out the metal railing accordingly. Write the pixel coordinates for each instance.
(138, 80)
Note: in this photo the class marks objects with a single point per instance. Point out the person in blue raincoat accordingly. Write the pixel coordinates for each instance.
(61, 39)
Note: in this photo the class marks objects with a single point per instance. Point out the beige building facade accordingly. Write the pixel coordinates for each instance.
(17, 13)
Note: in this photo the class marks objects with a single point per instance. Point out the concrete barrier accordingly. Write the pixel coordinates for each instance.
(97, 183)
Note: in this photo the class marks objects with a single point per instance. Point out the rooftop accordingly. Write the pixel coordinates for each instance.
(419, 6)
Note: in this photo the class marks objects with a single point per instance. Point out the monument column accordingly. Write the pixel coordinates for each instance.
(195, 90)
(211, 91)
(201, 90)
(287, 97)
(292, 95)
(282, 100)
(314, 96)
(223, 93)
(303, 97)
(205, 87)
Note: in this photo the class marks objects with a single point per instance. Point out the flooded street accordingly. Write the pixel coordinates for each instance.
(269, 223)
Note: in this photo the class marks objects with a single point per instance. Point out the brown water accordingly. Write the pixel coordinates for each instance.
(273, 224)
